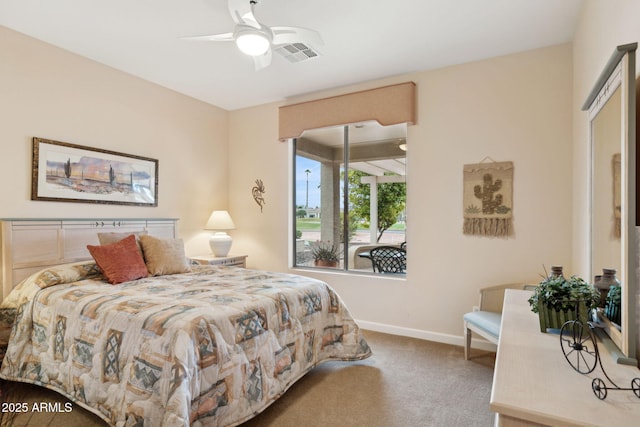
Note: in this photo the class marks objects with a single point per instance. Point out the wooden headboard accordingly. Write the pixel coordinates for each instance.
(29, 245)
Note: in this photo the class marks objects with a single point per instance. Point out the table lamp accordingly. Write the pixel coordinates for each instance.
(220, 242)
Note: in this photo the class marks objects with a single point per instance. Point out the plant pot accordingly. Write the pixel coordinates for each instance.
(552, 319)
(613, 313)
(325, 263)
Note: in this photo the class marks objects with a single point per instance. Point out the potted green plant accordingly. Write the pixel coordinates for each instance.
(613, 304)
(557, 300)
(325, 254)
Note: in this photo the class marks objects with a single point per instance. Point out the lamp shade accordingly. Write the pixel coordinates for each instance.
(220, 220)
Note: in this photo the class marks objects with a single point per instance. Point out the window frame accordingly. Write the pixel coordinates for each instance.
(344, 208)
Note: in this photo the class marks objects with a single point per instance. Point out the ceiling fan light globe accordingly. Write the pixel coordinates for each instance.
(253, 44)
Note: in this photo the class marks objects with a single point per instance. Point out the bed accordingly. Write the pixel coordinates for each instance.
(182, 345)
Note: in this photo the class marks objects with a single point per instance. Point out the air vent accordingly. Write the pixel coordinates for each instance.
(296, 52)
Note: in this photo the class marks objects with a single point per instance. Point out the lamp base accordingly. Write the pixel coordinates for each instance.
(220, 243)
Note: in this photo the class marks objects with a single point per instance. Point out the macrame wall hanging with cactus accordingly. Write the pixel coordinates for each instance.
(488, 198)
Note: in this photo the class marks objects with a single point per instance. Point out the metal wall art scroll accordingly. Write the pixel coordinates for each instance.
(488, 198)
(258, 193)
(65, 172)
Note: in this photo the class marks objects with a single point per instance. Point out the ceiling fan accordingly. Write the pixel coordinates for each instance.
(257, 40)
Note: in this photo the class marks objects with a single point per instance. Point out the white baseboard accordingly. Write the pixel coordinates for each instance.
(425, 335)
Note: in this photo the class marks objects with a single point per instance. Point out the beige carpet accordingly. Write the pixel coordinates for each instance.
(407, 382)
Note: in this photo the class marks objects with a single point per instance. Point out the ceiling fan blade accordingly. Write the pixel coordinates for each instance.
(242, 13)
(212, 37)
(290, 35)
(262, 61)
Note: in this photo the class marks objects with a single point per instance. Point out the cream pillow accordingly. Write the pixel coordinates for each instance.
(164, 256)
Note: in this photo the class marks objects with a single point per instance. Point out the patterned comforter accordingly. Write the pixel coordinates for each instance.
(212, 347)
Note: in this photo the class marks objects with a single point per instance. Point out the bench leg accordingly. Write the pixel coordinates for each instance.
(467, 342)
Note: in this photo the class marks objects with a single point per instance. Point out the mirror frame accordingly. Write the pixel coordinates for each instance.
(620, 72)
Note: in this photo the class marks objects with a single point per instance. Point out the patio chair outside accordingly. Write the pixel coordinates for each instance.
(388, 259)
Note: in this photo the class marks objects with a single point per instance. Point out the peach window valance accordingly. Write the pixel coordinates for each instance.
(388, 105)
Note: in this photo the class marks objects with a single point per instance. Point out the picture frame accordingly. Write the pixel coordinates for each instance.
(65, 172)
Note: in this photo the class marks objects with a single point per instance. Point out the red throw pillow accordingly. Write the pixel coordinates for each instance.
(120, 261)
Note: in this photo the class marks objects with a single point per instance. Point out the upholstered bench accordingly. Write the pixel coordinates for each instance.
(486, 321)
(483, 323)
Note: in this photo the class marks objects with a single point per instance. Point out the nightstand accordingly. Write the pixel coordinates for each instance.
(234, 260)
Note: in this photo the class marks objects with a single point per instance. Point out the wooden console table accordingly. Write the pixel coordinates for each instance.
(534, 385)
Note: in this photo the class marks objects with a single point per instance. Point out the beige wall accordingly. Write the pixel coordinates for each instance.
(602, 27)
(516, 108)
(523, 107)
(51, 93)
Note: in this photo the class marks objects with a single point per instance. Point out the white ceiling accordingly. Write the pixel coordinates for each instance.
(363, 39)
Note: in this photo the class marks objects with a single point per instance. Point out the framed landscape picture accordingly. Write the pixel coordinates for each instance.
(65, 172)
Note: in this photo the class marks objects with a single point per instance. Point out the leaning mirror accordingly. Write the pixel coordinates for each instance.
(613, 246)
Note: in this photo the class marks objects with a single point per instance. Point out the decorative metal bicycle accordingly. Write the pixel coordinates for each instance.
(580, 348)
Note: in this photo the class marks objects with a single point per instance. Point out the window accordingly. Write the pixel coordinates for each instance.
(350, 195)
